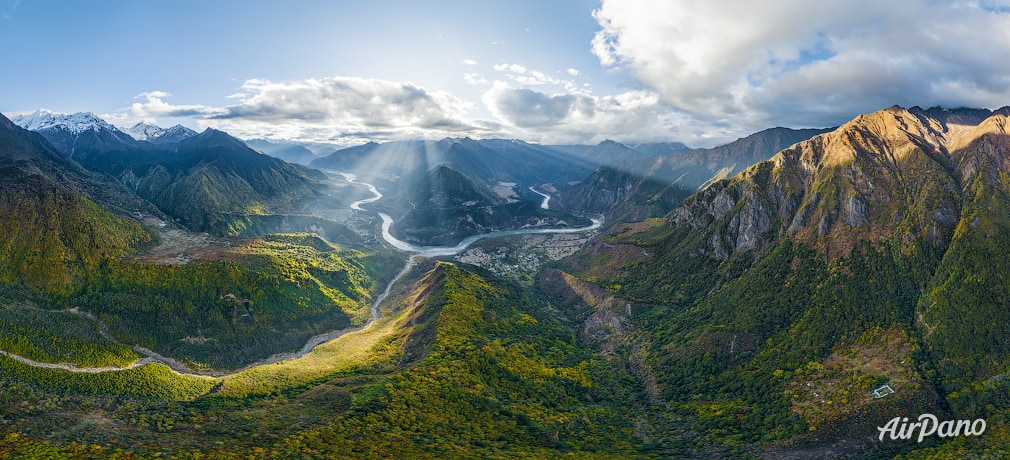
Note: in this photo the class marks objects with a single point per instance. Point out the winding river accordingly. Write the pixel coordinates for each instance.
(387, 222)
(439, 251)
(547, 198)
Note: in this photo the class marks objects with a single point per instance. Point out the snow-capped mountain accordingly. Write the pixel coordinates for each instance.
(155, 134)
(144, 131)
(77, 123)
(173, 135)
(74, 135)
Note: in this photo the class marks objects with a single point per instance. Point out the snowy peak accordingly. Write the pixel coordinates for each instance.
(174, 134)
(144, 131)
(77, 123)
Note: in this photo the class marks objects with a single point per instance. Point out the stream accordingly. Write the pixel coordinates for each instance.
(387, 223)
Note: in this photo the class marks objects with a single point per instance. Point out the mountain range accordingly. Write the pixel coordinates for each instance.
(207, 182)
(638, 188)
(155, 134)
(496, 160)
(744, 301)
(57, 224)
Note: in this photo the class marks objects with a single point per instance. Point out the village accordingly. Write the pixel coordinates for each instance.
(520, 257)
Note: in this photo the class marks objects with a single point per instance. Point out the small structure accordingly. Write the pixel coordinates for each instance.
(882, 391)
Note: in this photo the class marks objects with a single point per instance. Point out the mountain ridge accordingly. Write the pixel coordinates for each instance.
(651, 187)
(889, 229)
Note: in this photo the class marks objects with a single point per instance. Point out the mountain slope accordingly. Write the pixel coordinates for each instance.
(444, 206)
(78, 135)
(213, 179)
(207, 182)
(651, 187)
(53, 233)
(807, 274)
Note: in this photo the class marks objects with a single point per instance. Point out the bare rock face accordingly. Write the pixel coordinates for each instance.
(750, 223)
(721, 205)
(719, 251)
(856, 213)
(891, 172)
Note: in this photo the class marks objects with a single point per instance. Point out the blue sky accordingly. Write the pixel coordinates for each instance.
(546, 71)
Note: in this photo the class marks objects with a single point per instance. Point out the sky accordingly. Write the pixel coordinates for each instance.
(572, 71)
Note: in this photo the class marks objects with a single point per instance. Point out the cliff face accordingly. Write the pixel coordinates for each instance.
(893, 173)
(923, 185)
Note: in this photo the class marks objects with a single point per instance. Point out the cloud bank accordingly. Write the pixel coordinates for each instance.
(702, 73)
(344, 109)
(347, 110)
(800, 63)
(584, 118)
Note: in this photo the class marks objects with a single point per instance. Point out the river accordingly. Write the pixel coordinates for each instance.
(440, 251)
(547, 198)
(387, 222)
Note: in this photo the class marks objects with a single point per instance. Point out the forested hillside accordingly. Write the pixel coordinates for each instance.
(53, 233)
(774, 301)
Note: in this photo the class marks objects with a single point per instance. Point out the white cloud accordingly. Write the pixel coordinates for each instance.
(514, 68)
(343, 109)
(796, 62)
(583, 118)
(468, 62)
(344, 106)
(154, 106)
(474, 78)
(573, 72)
(530, 77)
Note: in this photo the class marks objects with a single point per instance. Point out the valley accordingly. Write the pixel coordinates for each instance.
(705, 308)
(188, 247)
(600, 229)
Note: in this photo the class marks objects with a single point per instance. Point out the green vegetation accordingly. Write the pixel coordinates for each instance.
(761, 322)
(272, 295)
(51, 237)
(150, 381)
(968, 296)
(728, 341)
(503, 376)
(462, 366)
(59, 337)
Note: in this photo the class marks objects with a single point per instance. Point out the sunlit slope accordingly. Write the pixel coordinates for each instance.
(498, 372)
(886, 234)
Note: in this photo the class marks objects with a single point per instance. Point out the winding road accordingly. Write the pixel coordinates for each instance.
(387, 222)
